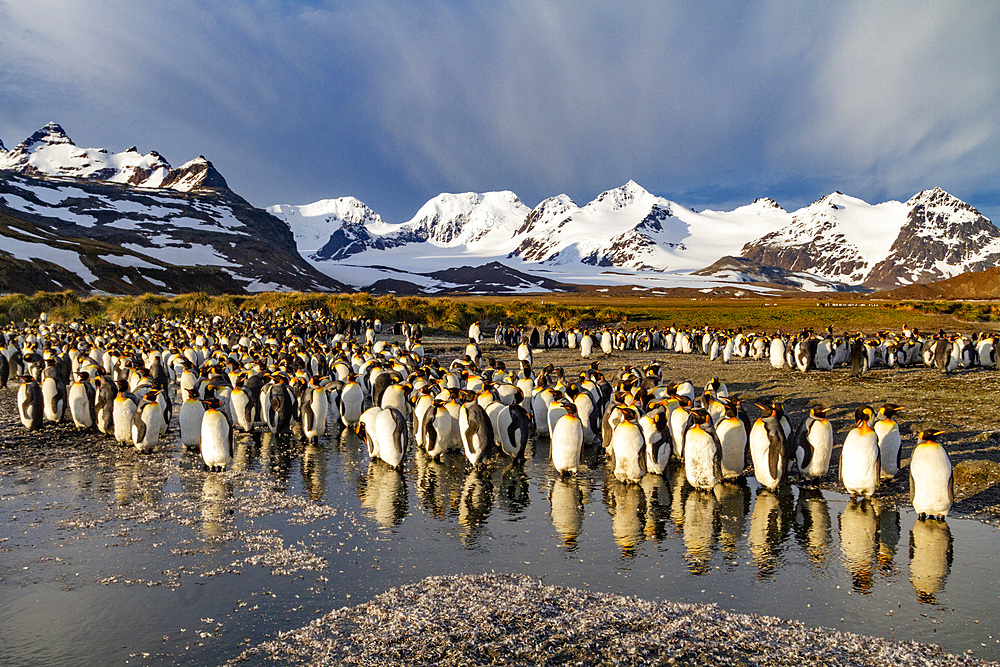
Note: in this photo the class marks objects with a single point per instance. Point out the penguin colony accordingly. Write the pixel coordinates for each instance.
(257, 371)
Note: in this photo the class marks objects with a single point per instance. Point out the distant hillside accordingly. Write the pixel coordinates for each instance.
(972, 285)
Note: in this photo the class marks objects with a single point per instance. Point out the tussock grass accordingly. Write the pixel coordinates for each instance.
(454, 315)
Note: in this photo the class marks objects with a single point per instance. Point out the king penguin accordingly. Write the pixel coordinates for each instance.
(29, 403)
(566, 442)
(889, 441)
(216, 437)
(932, 485)
(814, 444)
(859, 460)
(767, 447)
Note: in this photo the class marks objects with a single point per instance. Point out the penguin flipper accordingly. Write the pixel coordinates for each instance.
(951, 487)
(913, 488)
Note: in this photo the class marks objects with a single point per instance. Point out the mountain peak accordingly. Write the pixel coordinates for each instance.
(52, 133)
(766, 203)
(196, 173)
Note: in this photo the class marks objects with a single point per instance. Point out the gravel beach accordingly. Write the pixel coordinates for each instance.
(504, 619)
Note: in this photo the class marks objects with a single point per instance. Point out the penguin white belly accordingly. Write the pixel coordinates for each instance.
(628, 445)
(733, 438)
(820, 437)
(367, 426)
(390, 432)
(566, 444)
(152, 417)
(122, 416)
(700, 465)
(859, 463)
(215, 440)
(930, 480)
(53, 403)
(889, 445)
(760, 454)
(192, 412)
(79, 406)
(239, 402)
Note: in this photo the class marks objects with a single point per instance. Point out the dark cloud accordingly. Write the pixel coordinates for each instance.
(395, 102)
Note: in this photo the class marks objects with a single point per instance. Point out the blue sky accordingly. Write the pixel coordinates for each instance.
(708, 104)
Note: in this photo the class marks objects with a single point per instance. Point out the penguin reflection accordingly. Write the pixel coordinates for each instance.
(566, 499)
(216, 494)
(382, 489)
(474, 506)
(678, 482)
(858, 542)
(812, 525)
(515, 493)
(699, 530)
(626, 503)
(657, 494)
(314, 470)
(770, 522)
(931, 552)
(888, 538)
(733, 507)
(438, 484)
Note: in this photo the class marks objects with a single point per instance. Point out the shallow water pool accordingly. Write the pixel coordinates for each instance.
(110, 557)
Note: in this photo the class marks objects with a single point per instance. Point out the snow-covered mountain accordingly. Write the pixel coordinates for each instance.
(50, 152)
(931, 236)
(624, 235)
(125, 223)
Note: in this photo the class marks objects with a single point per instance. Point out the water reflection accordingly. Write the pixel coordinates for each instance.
(733, 508)
(858, 546)
(812, 525)
(658, 499)
(439, 484)
(770, 523)
(314, 470)
(566, 499)
(382, 490)
(888, 539)
(515, 492)
(627, 505)
(699, 530)
(931, 553)
(474, 506)
(216, 494)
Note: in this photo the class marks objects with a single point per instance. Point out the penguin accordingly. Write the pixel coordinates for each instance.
(191, 415)
(733, 442)
(313, 411)
(476, 433)
(566, 442)
(81, 401)
(280, 408)
(243, 406)
(656, 432)
(586, 346)
(932, 484)
(814, 444)
(146, 421)
(390, 432)
(216, 437)
(104, 404)
(53, 398)
(889, 441)
(29, 403)
(680, 421)
(767, 447)
(702, 465)
(859, 457)
(629, 448)
(512, 430)
(859, 358)
(4, 368)
(366, 431)
(352, 400)
(437, 429)
(124, 408)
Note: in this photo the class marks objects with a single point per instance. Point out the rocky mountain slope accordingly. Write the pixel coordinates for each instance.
(931, 236)
(124, 223)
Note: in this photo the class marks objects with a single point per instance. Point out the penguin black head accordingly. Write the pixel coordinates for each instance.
(765, 410)
(863, 413)
(929, 436)
(890, 410)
